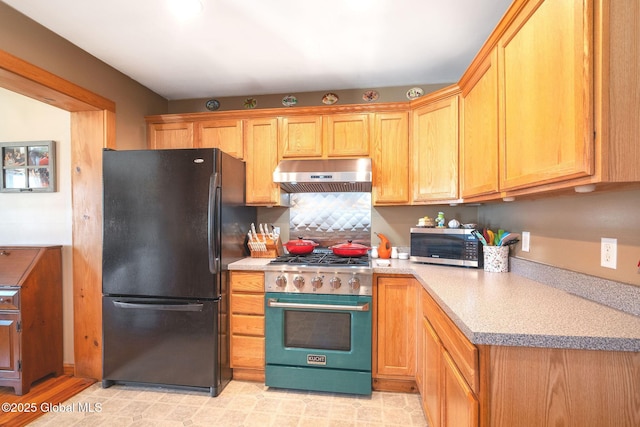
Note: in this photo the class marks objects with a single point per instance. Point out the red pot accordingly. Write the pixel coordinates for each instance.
(300, 246)
(350, 249)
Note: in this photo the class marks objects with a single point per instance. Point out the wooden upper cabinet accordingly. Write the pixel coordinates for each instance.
(618, 116)
(546, 107)
(226, 135)
(347, 135)
(261, 145)
(390, 157)
(316, 136)
(479, 129)
(435, 150)
(301, 136)
(170, 135)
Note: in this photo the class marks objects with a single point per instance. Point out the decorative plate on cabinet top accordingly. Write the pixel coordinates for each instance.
(415, 92)
(212, 104)
(329, 98)
(289, 101)
(250, 103)
(370, 96)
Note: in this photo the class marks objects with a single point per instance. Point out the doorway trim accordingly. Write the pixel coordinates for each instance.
(92, 129)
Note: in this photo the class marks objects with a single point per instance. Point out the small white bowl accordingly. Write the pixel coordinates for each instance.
(403, 255)
(383, 262)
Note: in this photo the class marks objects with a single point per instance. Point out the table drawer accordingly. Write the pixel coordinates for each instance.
(9, 299)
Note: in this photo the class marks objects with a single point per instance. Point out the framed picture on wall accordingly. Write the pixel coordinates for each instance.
(28, 167)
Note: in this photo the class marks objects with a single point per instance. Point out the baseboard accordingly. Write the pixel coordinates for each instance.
(248, 374)
(69, 369)
(238, 374)
(379, 384)
(395, 385)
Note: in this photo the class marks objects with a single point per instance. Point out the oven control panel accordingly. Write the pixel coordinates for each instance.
(356, 282)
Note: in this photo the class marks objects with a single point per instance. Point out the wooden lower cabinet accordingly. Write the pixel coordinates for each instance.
(447, 398)
(463, 384)
(394, 341)
(539, 387)
(430, 366)
(460, 405)
(247, 325)
(417, 347)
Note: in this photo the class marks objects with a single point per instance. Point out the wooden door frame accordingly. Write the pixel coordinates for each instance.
(92, 129)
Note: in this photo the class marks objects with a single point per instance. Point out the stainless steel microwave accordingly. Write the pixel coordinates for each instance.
(448, 246)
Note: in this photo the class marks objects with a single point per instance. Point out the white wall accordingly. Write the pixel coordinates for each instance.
(41, 218)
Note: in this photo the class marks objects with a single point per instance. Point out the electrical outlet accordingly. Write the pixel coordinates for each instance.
(608, 252)
(526, 236)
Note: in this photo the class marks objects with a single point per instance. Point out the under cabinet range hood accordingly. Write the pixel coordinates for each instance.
(324, 176)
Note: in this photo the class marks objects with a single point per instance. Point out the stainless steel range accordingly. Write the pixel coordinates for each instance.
(320, 273)
(318, 323)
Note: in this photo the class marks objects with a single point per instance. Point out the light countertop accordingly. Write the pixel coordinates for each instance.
(508, 309)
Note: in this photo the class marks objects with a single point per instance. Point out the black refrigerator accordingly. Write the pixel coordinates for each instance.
(173, 221)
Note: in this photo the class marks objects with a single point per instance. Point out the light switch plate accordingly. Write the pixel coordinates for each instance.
(608, 252)
(526, 237)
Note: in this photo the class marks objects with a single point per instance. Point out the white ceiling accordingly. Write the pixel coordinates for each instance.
(257, 47)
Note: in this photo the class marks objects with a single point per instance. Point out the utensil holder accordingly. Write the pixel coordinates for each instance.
(271, 249)
(496, 258)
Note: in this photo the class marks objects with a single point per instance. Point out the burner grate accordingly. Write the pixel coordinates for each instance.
(321, 259)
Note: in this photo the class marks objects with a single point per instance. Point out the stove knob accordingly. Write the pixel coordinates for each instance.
(335, 283)
(354, 283)
(281, 281)
(316, 282)
(298, 282)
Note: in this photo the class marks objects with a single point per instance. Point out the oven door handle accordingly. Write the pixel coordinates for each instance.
(273, 302)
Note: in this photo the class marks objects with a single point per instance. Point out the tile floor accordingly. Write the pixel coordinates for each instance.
(240, 404)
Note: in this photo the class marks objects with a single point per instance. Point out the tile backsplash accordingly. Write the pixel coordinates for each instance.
(331, 218)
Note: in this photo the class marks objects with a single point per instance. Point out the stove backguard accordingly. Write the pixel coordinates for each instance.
(331, 218)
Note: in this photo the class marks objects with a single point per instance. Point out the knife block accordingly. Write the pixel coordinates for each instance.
(272, 249)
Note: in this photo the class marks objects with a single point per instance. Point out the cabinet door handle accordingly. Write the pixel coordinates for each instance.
(214, 224)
